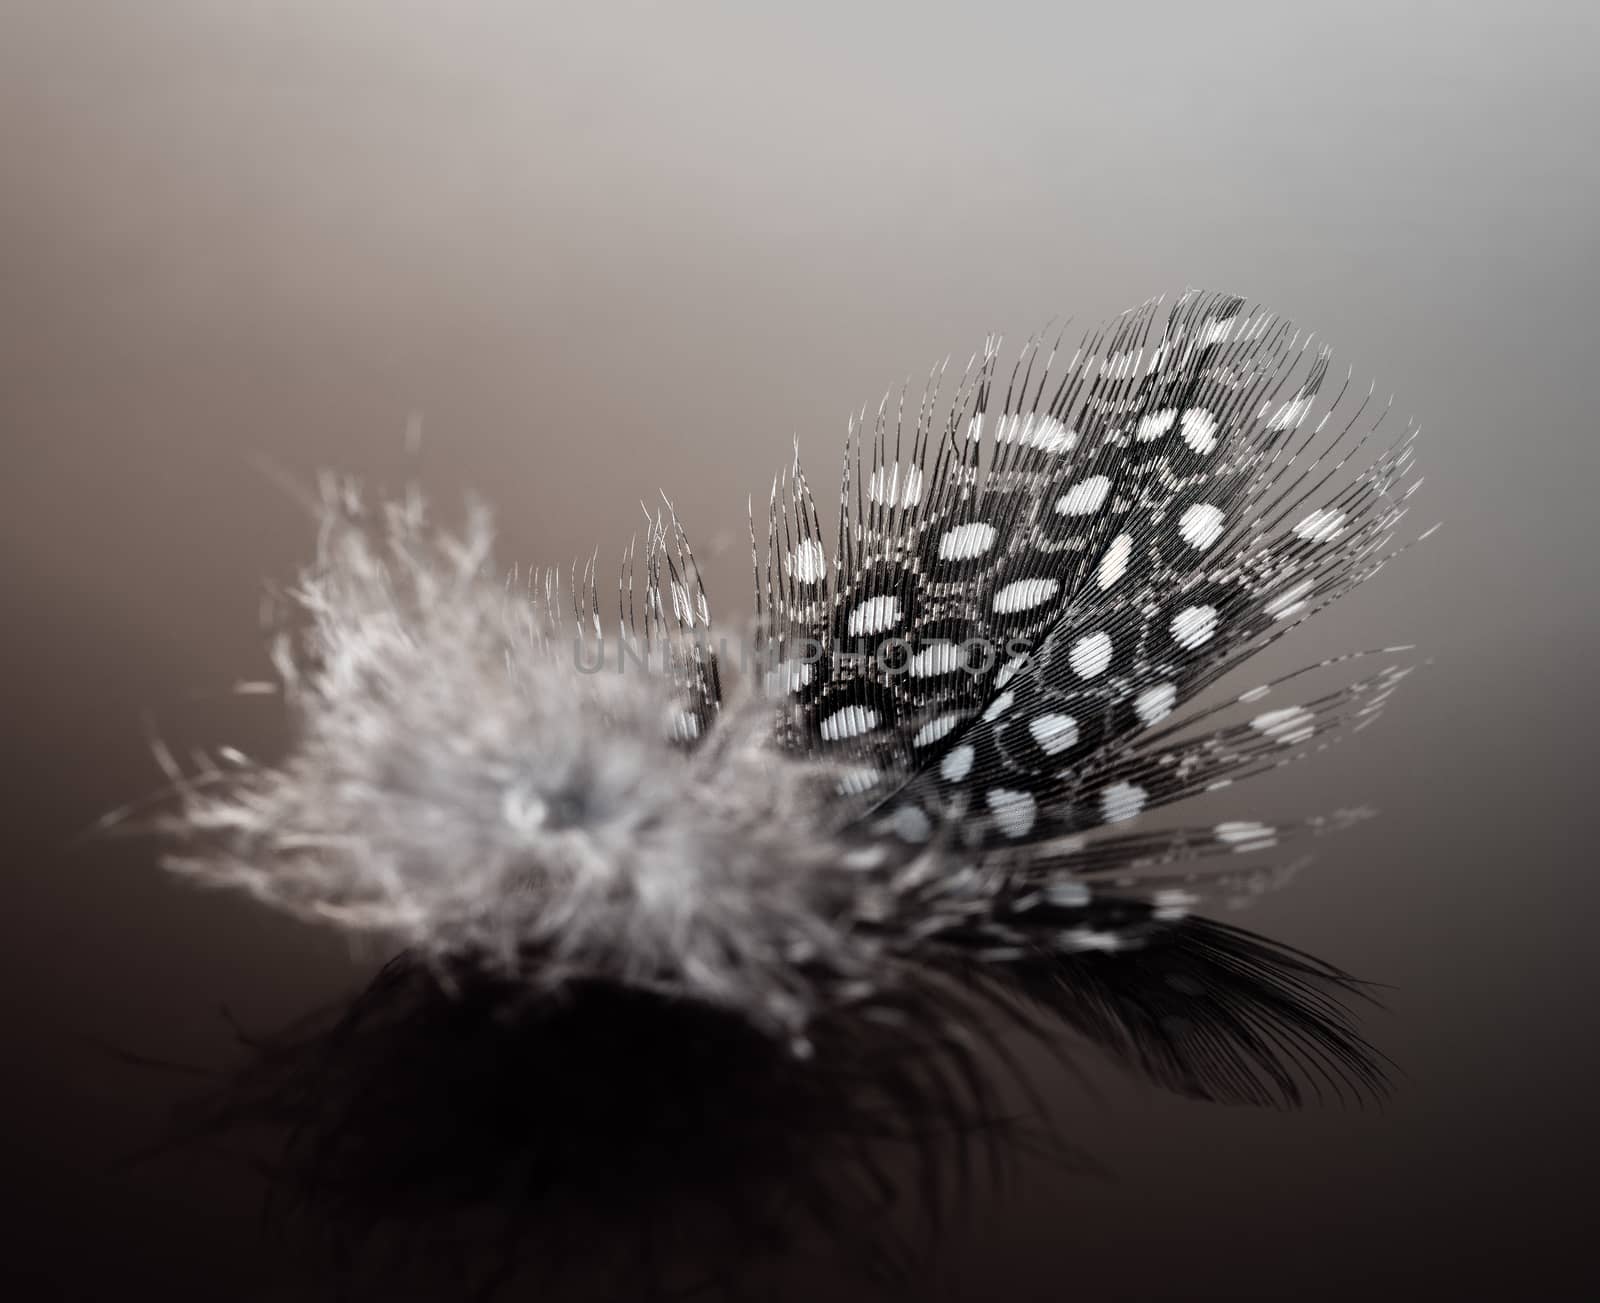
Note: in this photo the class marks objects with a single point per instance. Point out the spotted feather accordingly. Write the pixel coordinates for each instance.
(1028, 590)
(977, 692)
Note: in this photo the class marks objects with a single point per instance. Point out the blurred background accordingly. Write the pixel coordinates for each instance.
(593, 251)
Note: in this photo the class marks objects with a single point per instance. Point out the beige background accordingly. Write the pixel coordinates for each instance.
(605, 248)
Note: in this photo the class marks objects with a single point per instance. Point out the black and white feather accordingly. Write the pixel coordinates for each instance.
(970, 694)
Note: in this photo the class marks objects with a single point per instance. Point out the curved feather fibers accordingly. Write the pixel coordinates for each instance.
(974, 695)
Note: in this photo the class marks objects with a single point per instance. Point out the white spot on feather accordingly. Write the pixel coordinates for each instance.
(1201, 525)
(958, 764)
(999, 706)
(1114, 564)
(875, 615)
(1246, 835)
(1321, 526)
(1289, 725)
(849, 721)
(1291, 413)
(1090, 655)
(934, 730)
(911, 494)
(1290, 602)
(910, 824)
(807, 563)
(966, 541)
(1155, 424)
(1023, 594)
(856, 779)
(1054, 733)
(896, 486)
(1084, 497)
(941, 658)
(1014, 812)
(1193, 626)
(1199, 429)
(1154, 704)
(1008, 671)
(1052, 435)
(1122, 801)
(788, 677)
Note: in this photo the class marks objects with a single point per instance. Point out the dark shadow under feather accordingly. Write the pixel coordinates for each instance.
(618, 1141)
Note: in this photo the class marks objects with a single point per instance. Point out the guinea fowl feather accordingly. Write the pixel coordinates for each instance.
(962, 713)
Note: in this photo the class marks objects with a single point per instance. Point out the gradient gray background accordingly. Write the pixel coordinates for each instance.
(605, 248)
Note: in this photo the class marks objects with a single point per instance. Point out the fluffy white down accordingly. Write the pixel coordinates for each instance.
(514, 808)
